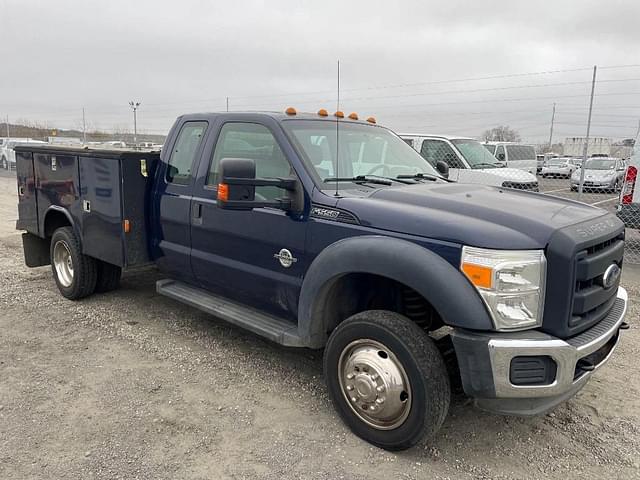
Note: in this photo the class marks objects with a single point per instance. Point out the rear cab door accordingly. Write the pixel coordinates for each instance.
(173, 196)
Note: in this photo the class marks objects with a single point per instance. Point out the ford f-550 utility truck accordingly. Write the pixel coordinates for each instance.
(325, 231)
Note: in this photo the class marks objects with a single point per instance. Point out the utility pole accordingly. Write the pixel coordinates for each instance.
(553, 117)
(134, 106)
(227, 104)
(586, 140)
(84, 128)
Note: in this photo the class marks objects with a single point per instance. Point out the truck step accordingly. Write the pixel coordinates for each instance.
(270, 327)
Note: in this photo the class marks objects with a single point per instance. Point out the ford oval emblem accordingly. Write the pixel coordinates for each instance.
(611, 275)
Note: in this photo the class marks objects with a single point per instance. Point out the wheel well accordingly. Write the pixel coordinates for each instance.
(357, 292)
(53, 221)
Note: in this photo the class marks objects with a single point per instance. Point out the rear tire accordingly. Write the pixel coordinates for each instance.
(75, 274)
(108, 277)
(363, 356)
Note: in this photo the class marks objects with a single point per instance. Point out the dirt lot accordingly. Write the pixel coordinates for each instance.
(132, 385)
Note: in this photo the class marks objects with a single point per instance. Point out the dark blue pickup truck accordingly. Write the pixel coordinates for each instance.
(325, 231)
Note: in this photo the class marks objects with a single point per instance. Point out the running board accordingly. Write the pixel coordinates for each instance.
(270, 327)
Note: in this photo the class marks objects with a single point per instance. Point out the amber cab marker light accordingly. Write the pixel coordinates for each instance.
(479, 275)
(339, 114)
(323, 113)
(290, 111)
(371, 120)
(126, 226)
(353, 116)
(223, 192)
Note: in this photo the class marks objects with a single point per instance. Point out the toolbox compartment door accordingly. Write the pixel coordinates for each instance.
(27, 198)
(101, 212)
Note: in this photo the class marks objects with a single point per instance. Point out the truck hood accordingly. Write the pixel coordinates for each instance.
(469, 214)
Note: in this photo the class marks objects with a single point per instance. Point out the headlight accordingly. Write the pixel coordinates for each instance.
(511, 283)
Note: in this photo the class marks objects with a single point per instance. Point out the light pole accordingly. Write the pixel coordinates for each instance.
(134, 106)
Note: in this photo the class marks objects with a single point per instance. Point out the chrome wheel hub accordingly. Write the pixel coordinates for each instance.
(63, 263)
(374, 384)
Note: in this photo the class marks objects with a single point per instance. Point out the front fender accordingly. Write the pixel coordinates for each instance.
(448, 291)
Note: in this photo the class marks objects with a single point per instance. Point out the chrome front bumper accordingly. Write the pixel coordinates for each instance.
(485, 362)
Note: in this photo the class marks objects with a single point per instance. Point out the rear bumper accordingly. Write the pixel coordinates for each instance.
(485, 361)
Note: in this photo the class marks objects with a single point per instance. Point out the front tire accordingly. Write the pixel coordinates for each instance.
(387, 379)
(75, 274)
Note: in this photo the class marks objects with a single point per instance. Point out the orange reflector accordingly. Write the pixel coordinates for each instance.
(339, 114)
(479, 275)
(353, 116)
(126, 226)
(371, 120)
(223, 192)
(290, 111)
(323, 113)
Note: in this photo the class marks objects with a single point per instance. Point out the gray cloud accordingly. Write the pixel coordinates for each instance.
(190, 55)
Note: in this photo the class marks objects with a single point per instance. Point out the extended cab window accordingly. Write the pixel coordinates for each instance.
(435, 150)
(254, 141)
(184, 152)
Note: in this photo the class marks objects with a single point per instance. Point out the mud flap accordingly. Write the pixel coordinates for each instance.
(36, 250)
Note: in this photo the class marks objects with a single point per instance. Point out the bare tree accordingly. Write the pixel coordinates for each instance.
(501, 133)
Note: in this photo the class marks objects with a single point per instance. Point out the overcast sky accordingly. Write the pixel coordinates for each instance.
(415, 65)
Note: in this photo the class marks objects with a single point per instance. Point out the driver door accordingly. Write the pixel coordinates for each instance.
(235, 252)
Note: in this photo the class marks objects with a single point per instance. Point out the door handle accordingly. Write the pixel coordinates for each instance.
(197, 210)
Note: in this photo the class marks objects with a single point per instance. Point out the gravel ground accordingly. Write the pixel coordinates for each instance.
(132, 385)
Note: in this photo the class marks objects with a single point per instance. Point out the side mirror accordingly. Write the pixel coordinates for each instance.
(443, 168)
(238, 182)
(501, 156)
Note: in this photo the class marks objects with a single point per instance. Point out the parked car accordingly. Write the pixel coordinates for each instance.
(600, 174)
(539, 162)
(7, 153)
(469, 161)
(629, 205)
(516, 155)
(328, 233)
(560, 167)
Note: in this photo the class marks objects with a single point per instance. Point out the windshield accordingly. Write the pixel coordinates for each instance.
(600, 164)
(475, 154)
(364, 150)
(520, 152)
(491, 148)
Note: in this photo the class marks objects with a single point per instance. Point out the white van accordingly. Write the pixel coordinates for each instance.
(516, 155)
(470, 162)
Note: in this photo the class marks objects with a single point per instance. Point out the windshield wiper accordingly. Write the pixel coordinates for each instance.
(360, 179)
(421, 176)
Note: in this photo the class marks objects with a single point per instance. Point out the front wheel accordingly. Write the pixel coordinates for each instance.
(75, 273)
(387, 379)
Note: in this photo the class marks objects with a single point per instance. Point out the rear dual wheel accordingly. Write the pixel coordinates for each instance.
(78, 275)
(387, 379)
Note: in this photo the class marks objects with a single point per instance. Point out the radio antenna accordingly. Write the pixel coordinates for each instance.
(337, 173)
